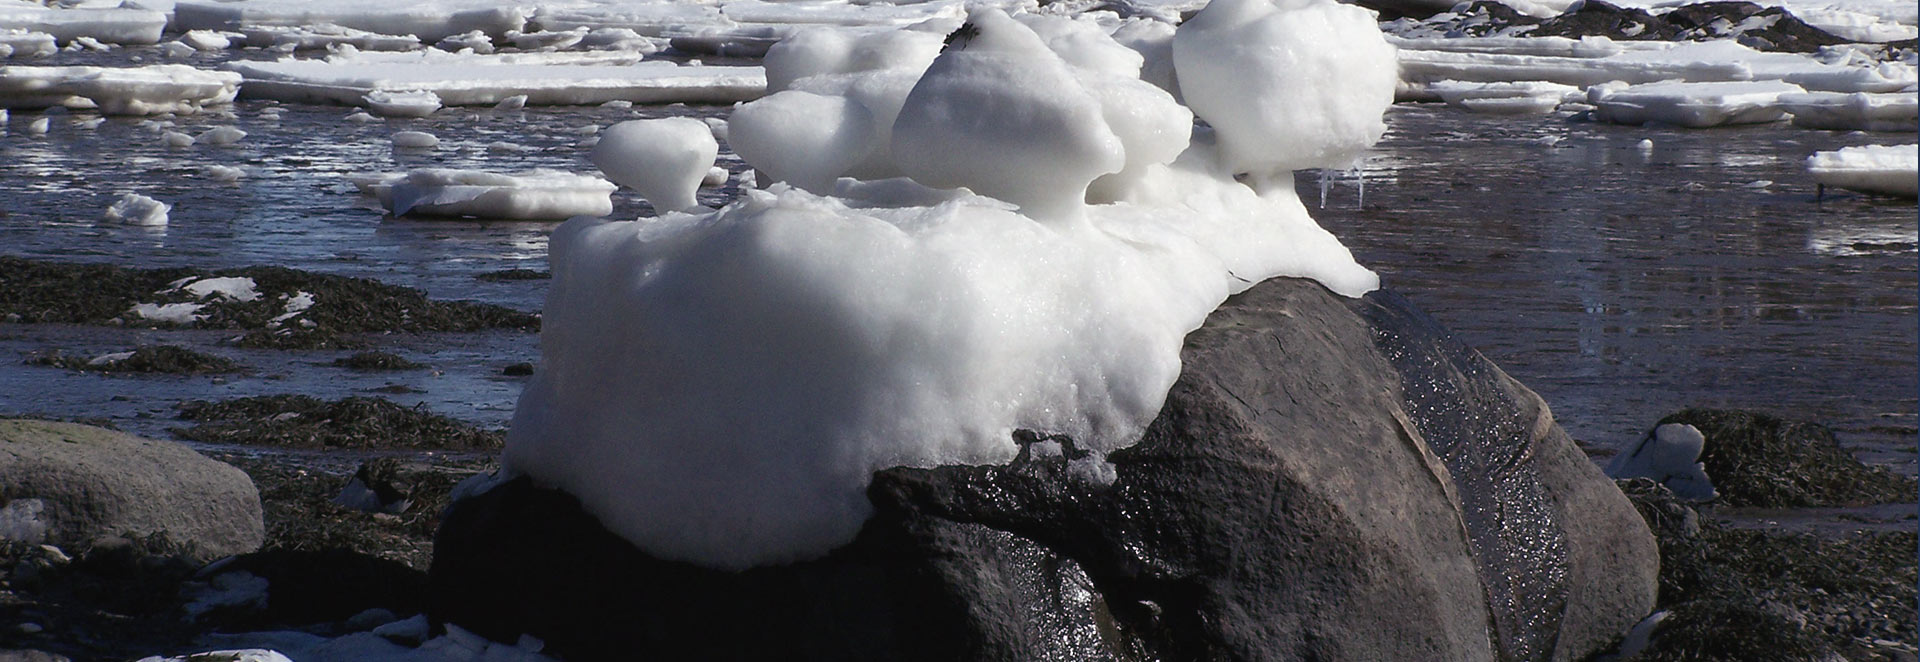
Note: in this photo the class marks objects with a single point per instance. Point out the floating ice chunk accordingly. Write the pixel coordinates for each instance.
(221, 135)
(235, 655)
(407, 103)
(663, 159)
(206, 40)
(1423, 66)
(1693, 105)
(514, 102)
(1885, 169)
(325, 35)
(361, 116)
(176, 50)
(415, 140)
(551, 40)
(619, 39)
(1670, 456)
(176, 139)
(475, 80)
(617, 103)
(1000, 114)
(1530, 97)
(130, 26)
(20, 43)
(1858, 111)
(1645, 146)
(718, 125)
(531, 195)
(428, 20)
(150, 90)
(475, 41)
(224, 173)
(39, 127)
(801, 138)
(716, 176)
(502, 147)
(1286, 84)
(136, 209)
(237, 288)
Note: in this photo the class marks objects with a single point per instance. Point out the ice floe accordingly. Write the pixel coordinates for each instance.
(119, 25)
(1857, 111)
(485, 80)
(1692, 105)
(1885, 169)
(426, 20)
(532, 195)
(136, 209)
(155, 89)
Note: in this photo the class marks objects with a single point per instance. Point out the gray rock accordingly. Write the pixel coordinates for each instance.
(72, 485)
(1330, 479)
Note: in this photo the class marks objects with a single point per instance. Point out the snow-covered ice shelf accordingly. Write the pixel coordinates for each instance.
(1887, 169)
(475, 80)
(165, 88)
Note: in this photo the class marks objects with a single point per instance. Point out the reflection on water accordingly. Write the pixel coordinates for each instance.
(1624, 284)
(1620, 282)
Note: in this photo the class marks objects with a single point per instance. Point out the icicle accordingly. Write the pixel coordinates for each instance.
(1325, 180)
(1360, 180)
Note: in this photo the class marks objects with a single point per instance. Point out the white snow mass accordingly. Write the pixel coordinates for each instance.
(718, 386)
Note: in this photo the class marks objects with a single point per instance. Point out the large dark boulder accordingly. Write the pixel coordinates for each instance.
(1331, 478)
(77, 486)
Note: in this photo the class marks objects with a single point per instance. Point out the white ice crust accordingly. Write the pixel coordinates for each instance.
(718, 386)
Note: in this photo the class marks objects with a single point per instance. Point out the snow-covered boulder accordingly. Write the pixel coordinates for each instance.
(69, 485)
(1330, 478)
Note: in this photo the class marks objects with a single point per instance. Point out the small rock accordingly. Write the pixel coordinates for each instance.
(518, 370)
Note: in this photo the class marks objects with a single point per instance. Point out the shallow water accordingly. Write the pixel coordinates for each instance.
(1620, 284)
(1624, 284)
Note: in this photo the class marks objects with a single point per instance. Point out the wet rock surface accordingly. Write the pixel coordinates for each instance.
(75, 486)
(1330, 479)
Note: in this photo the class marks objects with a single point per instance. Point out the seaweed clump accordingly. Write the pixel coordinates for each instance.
(292, 309)
(299, 421)
(1759, 460)
(154, 359)
(1758, 596)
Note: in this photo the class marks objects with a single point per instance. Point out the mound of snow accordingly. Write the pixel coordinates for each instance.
(664, 159)
(717, 386)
